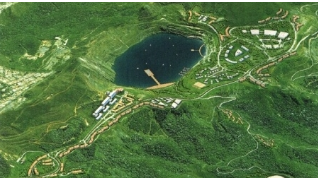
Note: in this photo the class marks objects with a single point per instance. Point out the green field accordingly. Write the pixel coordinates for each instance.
(225, 129)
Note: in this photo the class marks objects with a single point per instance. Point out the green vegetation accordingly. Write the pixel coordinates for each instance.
(273, 130)
(4, 168)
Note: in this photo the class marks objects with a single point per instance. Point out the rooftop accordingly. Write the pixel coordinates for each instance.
(174, 105)
(282, 35)
(270, 32)
(255, 32)
(178, 101)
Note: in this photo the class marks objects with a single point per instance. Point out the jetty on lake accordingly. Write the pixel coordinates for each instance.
(159, 85)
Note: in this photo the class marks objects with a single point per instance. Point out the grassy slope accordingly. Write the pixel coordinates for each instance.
(190, 141)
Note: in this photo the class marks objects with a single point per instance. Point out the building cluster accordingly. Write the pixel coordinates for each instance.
(259, 71)
(47, 162)
(125, 101)
(237, 53)
(253, 80)
(94, 134)
(202, 18)
(281, 35)
(257, 81)
(32, 168)
(231, 116)
(210, 75)
(267, 142)
(14, 83)
(72, 148)
(279, 15)
(270, 33)
(166, 101)
(286, 56)
(162, 101)
(105, 105)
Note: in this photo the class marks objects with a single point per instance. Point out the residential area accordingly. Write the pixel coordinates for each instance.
(14, 83)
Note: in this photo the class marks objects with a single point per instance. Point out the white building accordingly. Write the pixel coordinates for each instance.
(270, 32)
(244, 31)
(245, 48)
(99, 116)
(178, 101)
(238, 52)
(174, 105)
(106, 109)
(98, 110)
(230, 47)
(241, 60)
(112, 94)
(255, 31)
(113, 101)
(204, 18)
(268, 46)
(275, 176)
(226, 55)
(282, 35)
(106, 101)
(230, 61)
(276, 46)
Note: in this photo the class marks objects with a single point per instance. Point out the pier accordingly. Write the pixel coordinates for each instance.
(150, 74)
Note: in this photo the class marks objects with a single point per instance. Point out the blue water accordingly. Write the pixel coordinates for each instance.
(166, 55)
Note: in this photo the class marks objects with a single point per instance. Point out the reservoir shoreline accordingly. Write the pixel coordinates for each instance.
(168, 56)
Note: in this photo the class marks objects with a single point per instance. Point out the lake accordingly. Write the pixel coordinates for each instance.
(168, 56)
